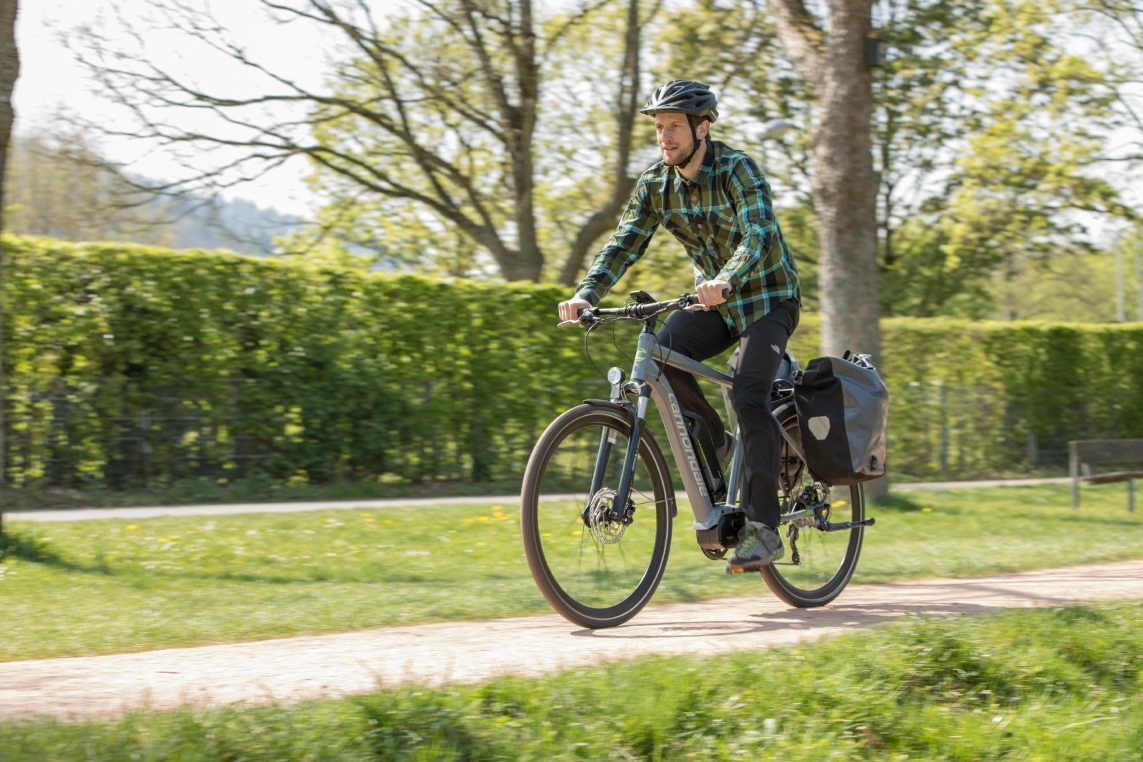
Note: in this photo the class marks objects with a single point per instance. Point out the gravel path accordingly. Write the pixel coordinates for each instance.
(295, 669)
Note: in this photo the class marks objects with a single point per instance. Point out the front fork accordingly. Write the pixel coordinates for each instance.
(621, 509)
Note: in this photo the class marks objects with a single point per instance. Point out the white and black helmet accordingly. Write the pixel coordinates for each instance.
(684, 96)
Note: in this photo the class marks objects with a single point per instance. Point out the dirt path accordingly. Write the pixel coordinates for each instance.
(294, 669)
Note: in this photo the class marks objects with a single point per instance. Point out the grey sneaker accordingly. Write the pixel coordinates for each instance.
(758, 546)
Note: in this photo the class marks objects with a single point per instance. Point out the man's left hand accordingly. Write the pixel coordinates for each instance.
(710, 292)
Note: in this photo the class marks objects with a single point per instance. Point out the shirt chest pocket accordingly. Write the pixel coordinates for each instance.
(680, 227)
(725, 227)
(726, 220)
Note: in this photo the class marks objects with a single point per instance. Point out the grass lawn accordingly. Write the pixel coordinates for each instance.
(1046, 684)
(107, 586)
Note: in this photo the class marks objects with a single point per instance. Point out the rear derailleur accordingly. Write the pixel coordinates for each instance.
(813, 513)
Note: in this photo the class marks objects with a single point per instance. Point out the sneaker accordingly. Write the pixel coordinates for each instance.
(758, 546)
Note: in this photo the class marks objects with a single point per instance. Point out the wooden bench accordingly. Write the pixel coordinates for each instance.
(1106, 452)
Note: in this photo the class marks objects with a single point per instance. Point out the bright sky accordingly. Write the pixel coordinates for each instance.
(50, 79)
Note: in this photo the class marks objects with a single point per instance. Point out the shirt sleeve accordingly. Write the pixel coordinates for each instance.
(627, 244)
(754, 207)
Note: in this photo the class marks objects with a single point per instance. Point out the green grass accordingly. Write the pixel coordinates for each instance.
(1049, 684)
(249, 490)
(92, 587)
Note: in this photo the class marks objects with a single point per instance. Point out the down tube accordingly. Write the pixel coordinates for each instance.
(681, 447)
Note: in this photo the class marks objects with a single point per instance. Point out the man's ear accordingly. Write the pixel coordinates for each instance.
(703, 129)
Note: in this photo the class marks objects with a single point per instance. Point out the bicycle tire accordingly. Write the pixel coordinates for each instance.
(801, 586)
(583, 595)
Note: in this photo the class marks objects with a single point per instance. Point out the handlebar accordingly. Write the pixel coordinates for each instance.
(638, 311)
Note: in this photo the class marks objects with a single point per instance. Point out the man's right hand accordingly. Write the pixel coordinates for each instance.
(570, 309)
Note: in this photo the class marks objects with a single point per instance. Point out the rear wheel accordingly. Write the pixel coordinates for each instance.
(597, 563)
(818, 564)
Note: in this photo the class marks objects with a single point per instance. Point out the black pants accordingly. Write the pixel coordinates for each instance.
(702, 335)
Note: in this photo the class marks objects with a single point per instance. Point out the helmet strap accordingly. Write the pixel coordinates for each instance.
(691, 120)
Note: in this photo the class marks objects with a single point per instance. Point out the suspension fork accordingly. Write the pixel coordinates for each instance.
(638, 374)
(628, 473)
(600, 473)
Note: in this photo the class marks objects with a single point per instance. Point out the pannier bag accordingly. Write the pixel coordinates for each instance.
(843, 412)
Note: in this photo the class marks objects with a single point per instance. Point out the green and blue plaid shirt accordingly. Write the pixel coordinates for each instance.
(724, 217)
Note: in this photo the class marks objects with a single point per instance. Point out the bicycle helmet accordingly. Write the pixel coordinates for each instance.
(685, 96)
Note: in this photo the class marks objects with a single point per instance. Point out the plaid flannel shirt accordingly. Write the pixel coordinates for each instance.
(724, 217)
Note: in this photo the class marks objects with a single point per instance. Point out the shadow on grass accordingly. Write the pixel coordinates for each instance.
(34, 550)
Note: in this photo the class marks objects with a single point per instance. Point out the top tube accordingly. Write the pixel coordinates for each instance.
(674, 359)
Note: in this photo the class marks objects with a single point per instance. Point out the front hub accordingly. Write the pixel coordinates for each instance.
(606, 521)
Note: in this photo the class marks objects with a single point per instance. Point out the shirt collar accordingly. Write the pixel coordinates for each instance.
(702, 176)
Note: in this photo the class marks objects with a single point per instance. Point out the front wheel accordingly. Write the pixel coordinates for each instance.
(596, 562)
(824, 561)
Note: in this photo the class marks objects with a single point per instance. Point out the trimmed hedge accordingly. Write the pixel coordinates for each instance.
(127, 365)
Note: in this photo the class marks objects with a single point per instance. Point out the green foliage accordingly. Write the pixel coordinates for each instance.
(129, 365)
(1072, 286)
(134, 363)
(1028, 120)
(1059, 684)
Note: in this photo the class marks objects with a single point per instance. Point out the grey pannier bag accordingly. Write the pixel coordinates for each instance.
(843, 412)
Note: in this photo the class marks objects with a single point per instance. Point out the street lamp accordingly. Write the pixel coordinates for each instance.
(775, 128)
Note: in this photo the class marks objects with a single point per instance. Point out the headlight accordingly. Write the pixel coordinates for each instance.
(616, 375)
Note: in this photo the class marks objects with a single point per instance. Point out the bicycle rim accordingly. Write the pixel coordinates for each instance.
(825, 560)
(595, 571)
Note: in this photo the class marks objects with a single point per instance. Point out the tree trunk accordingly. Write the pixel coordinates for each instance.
(9, 70)
(845, 185)
(530, 262)
(845, 188)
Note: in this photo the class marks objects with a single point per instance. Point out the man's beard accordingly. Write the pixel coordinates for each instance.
(686, 154)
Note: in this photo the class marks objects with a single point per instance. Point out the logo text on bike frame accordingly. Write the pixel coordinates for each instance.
(692, 458)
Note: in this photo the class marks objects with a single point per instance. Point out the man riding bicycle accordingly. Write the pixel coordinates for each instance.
(716, 202)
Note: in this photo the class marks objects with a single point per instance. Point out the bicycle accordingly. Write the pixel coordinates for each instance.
(598, 556)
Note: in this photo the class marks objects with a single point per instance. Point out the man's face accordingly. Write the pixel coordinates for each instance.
(674, 133)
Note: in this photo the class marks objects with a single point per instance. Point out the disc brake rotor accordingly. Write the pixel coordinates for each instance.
(600, 519)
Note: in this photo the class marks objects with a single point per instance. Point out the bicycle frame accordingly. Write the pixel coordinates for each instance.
(646, 381)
